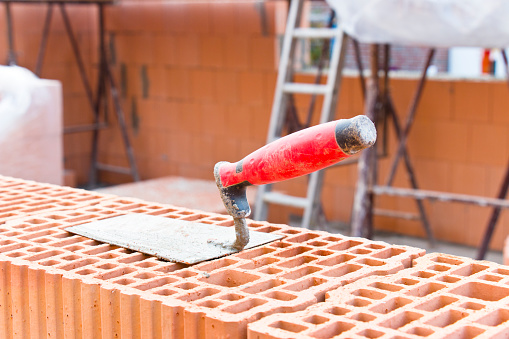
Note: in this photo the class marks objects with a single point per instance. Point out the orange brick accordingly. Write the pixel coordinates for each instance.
(489, 144)
(248, 17)
(178, 83)
(165, 52)
(188, 50)
(202, 85)
(212, 119)
(221, 15)
(212, 51)
(436, 101)
(226, 86)
(468, 179)
(500, 104)
(198, 20)
(263, 53)
(471, 101)
(252, 88)
(237, 52)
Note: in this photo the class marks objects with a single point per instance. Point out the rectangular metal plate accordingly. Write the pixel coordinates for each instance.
(170, 239)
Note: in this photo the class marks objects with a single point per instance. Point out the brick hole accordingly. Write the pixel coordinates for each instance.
(490, 277)
(333, 239)
(268, 229)
(134, 257)
(155, 283)
(50, 263)
(287, 326)
(42, 240)
(230, 278)
(282, 296)
(86, 271)
(263, 286)
(344, 245)
(7, 215)
(70, 240)
(140, 210)
(401, 320)
(91, 242)
(339, 259)
(172, 267)
(55, 217)
(15, 246)
(124, 281)
(187, 286)
(44, 255)
(448, 279)
(244, 306)
(257, 263)
(406, 281)
(501, 271)
(291, 232)
(495, 318)
(364, 317)
(421, 331)
(292, 252)
(436, 303)
(36, 221)
(299, 261)
(78, 264)
(358, 302)
(280, 244)
(108, 256)
(39, 208)
(375, 246)
(116, 273)
(67, 204)
(390, 305)
(147, 264)
(322, 253)
(479, 290)
(227, 223)
(448, 318)
(197, 295)
(466, 332)
(185, 274)
(370, 333)
(305, 284)
(165, 292)
(370, 294)
(210, 304)
(12, 234)
(6, 242)
(386, 287)
(63, 235)
(144, 275)
(215, 264)
(342, 270)
(270, 270)
(191, 217)
(71, 257)
(370, 262)
(302, 238)
(74, 248)
(301, 272)
(2, 230)
(447, 260)
(255, 252)
(231, 297)
(318, 243)
(37, 249)
(470, 270)
(337, 310)
(439, 268)
(423, 274)
(316, 319)
(107, 266)
(332, 330)
(425, 289)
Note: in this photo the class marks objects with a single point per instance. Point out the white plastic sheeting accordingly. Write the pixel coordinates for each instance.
(30, 126)
(440, 23)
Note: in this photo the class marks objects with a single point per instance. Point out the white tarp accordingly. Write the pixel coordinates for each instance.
(440, 23)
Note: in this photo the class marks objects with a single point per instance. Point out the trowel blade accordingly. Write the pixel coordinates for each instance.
(169, 239)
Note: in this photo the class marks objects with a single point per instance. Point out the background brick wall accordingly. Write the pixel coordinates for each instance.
(197, 83)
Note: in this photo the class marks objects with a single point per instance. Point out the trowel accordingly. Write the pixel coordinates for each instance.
(294, 155)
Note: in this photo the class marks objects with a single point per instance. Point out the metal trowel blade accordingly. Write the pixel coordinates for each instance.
(169, 239)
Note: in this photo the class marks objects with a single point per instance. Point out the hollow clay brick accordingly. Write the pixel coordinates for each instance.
(92, 289)
(441, 296)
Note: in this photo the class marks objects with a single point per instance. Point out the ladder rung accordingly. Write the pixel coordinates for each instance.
(283, 199)
(112, 168)
(396, 214)
(315, 33)
(305, 88)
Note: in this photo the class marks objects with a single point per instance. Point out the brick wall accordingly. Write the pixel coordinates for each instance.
(197, 83)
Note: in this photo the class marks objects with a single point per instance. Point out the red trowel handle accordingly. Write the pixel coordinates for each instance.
(300, 153)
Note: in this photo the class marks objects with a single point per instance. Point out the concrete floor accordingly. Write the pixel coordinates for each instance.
(204, 196)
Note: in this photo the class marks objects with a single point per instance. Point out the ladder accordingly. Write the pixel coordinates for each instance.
(285, 88)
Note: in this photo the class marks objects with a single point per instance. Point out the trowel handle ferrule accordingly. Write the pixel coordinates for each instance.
(301, 153)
